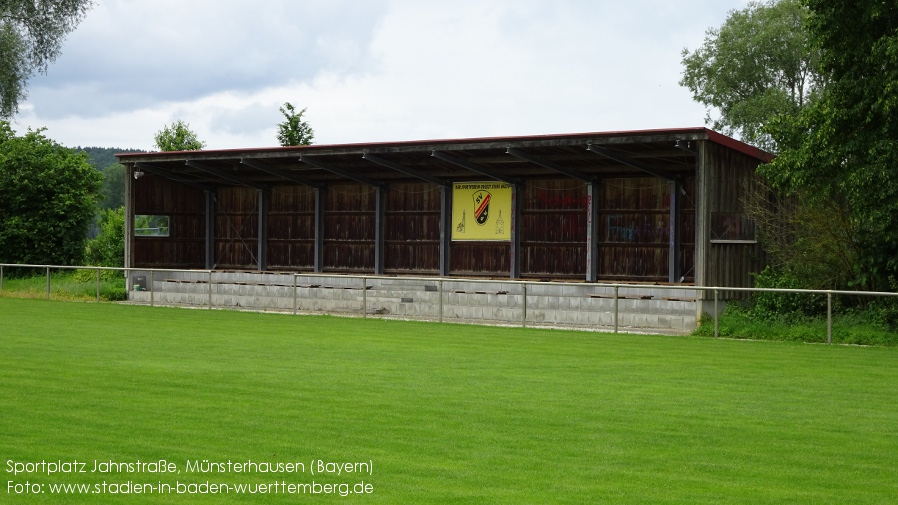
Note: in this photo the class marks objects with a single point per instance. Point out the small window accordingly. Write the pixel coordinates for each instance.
(150, 226)
(730, 227)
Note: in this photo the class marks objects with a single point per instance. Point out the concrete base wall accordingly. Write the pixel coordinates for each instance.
(639, 308)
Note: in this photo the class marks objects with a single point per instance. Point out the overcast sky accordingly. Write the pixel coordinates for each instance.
(372, 70)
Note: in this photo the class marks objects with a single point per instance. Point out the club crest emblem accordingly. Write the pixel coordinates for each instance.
(482, 206)
(481, 211)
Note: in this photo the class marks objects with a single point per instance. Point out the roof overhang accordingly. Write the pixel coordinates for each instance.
(626, 154)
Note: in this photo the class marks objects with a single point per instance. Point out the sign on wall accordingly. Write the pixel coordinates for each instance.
(481, 211)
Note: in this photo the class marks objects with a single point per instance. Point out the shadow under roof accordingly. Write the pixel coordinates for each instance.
(667, 153)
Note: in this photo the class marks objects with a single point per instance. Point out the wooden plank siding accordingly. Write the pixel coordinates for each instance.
(553, 229)
(634, 229)
(349, 231)
(412, 229)
(291, 228)
(185, 207)
(725, 175)
(480, 259)
(236, 228)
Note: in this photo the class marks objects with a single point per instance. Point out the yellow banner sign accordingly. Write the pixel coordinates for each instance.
(481, 211)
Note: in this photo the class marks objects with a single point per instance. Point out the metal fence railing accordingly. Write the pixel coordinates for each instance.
(519, 289)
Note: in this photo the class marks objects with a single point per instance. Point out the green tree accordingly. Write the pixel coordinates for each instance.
(113, 187)
(48, 196)
(31, 35)
(808, 241)
(102, 157)
(759, 64)
(108, 249)
(294, 131)
(844, 147)
(178, 137)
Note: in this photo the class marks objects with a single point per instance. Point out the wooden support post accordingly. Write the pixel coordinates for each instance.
(129, 222)
(676, 188)
(319, 230)
(210, 229)
(379, 205)
(262, 244)
(592, 232)
(515, 246)
(445, 228)
(703, 274)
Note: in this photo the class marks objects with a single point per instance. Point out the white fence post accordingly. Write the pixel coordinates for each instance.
(829, 317)
(365, 297)
(441, 288)
(616, 288)
(210, 290)
(716, 315)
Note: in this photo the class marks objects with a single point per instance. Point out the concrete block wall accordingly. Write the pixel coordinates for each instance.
(485, 301)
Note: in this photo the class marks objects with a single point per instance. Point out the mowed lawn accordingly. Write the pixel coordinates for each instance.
(444, 413)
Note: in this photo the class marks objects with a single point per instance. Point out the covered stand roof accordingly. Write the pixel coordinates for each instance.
(665, 153)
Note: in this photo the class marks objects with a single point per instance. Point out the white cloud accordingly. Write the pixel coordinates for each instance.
(145, 51)
(402, 71)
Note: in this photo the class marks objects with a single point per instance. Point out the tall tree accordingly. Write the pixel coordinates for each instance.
(178, 137)
(108, 248)
(48, 196)
(294, 131)
(759, 64)
(113, 186)
(844, 147)
(31, 36)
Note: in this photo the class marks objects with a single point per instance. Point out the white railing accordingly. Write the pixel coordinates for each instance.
(615, 289)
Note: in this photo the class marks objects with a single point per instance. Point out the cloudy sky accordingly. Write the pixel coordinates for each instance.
(372, 70)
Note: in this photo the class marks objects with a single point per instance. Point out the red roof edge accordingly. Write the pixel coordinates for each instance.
(738, 145)
(711, 135)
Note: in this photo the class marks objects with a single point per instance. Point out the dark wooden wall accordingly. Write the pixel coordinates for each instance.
(725, 175)
(185, 206)
(412, 229)
(553, 231)
(349, 228)
(236, 227)
(291, 228)
(632, 230)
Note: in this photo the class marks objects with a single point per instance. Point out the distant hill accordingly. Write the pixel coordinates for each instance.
(102, 157)
(104, 160)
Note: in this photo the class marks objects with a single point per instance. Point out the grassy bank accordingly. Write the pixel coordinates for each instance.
(857, 328)
(64, 285)
(444, 413)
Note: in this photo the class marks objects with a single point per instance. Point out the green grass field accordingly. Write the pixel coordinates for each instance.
(444, 413)
(65, 285)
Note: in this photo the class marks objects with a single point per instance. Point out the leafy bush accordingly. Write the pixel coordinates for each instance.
(884, 311)
(48, 195)
(784, 306)
(67, 285)
(108, 249)
(855, 327)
